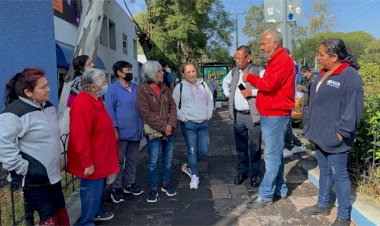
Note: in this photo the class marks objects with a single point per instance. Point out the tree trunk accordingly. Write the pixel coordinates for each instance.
(87, 44)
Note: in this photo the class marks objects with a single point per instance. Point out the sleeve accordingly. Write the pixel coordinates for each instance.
(10, 155)
(81, 120)
(254, 92)
(352, 107)
(210, 102)
(172, 112)
(226, 85)
(273, 78)
(176, 96)
(110, 104)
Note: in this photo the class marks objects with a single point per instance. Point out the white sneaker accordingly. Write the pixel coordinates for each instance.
(287, 153)
(194, 182)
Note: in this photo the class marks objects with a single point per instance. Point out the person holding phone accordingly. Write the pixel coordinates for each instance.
(242, 109)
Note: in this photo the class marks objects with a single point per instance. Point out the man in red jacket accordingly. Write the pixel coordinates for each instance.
(275, 101)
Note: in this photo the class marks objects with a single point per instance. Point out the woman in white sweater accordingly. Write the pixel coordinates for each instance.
(194, 109)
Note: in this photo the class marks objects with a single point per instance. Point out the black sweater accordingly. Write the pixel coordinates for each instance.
(336, 108)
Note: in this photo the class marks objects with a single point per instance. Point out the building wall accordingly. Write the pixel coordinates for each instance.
(27, 40)
(67, 33)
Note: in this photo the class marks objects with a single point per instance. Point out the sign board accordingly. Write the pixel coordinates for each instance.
(273, 10)
(218, 72)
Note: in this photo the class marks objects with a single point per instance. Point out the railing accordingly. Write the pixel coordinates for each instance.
(365, 160)
(16, 199)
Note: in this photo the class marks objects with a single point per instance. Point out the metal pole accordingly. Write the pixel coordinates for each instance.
(284, 23)
(236, 30)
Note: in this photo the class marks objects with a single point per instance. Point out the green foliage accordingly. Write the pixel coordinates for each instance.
(321, 19)
(372, 52)
(182, 30)
(356, 42)
(370, 73)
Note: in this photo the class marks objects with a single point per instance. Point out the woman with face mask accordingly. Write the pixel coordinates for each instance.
(128, 125)
(92, 152)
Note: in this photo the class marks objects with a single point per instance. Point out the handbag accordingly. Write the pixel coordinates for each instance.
(150, 132)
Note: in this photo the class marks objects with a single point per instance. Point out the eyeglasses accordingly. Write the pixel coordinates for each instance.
(239, 59)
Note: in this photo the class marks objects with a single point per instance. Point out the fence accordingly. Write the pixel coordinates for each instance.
(27, 214)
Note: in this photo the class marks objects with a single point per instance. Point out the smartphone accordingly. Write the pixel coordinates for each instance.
(241, 86)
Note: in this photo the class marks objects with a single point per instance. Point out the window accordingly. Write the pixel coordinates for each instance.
(125, 44)
(104, 32)
(112, 34)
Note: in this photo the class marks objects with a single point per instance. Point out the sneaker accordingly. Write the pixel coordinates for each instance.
(297, 142)
(316, 210)
(286, 153)
(169, 190)
(185, 168)
(117, 195)
(341, 222)
(105, 216)
(133, 189)
(152, 196)
(194, 182)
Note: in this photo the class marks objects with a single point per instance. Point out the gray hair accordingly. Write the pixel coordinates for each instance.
(150, 70)
(275, 35)
(91, 77)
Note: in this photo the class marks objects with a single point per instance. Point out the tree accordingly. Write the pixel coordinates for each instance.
(181, 30)
(87, 43)
(356, 42)
(321, 19)
(255, 26)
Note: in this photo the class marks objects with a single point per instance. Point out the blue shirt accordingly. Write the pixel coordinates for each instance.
(122, 107)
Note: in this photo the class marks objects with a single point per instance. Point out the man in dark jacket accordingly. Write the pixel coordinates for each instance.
(305, 71)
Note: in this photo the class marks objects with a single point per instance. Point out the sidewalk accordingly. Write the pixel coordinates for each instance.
(217, 201)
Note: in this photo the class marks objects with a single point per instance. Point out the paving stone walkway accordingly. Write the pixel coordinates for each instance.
(218, 201)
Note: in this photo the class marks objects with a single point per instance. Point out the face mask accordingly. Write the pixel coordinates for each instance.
(128, 77)
(103, 91)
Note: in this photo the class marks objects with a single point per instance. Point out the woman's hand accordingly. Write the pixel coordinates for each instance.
(340, 137)
(89, 170)
(168, 130)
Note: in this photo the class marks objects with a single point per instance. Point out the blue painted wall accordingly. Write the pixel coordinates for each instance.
(27, 40)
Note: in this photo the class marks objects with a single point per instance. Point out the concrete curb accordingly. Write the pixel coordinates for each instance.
(365, 211)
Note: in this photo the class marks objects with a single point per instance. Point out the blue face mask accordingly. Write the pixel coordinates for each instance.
(103, 91)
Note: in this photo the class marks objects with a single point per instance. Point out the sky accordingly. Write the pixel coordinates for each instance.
(350, 15)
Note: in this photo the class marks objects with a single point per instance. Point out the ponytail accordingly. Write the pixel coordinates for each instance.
(10, 90)
(352, 61)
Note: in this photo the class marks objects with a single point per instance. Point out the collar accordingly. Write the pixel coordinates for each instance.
(31, 102)
(276, 54)
(338, 70)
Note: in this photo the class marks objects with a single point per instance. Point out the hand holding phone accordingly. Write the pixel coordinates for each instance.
(241, 86)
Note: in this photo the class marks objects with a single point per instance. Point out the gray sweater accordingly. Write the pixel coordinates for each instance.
(29, 143)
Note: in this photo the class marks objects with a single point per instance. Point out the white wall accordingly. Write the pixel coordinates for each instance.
(67, 33)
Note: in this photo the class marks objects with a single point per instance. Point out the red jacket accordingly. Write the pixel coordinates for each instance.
(92, 139)
(276, 89)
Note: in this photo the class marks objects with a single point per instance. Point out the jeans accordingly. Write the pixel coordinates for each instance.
(154, 147)
(197, 141)
(91, 197)
(273, 129)
(128, 156)
(248, 144)
(333, 170)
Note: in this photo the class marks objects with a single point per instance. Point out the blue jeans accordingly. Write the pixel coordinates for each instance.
(197, 141)
(273, 130)
(154, 147)
(333, 170)
(91, 197)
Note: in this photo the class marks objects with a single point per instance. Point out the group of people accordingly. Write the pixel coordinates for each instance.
(107, 123)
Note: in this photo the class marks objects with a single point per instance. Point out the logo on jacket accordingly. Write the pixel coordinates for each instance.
(333, 83)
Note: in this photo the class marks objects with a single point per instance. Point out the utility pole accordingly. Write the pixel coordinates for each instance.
(236, 30)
